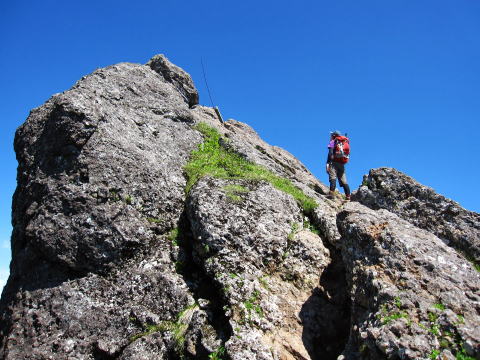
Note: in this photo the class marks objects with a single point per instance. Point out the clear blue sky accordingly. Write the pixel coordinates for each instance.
(401, 77)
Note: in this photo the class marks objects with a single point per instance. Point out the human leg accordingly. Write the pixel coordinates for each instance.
(332, 177)
(342, 179)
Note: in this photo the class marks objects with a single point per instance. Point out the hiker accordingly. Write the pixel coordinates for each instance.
(338, 155)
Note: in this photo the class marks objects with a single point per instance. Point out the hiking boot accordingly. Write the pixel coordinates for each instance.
(347, 197)
(331, 195)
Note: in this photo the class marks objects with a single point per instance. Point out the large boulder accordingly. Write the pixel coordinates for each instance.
(390, 189)
(100, 183)
(98, 165)
(413, 297)
(176, 77)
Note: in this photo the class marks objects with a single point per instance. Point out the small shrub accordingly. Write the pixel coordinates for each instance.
(114, 195)
(178, 329)
(432, 317)
(216, 355)
(434, 354)
(309, 226)
(397, 315)
(179, 266)
(390, 312)
(263, 282)
(462, 355)
(439, 306)
(293, 231)
(251, 304)
(234, 192)
(173, 236)
(397, 302)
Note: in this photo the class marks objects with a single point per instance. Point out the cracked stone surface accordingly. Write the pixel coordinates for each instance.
(111, 259)
(411, 293)
(387, 188)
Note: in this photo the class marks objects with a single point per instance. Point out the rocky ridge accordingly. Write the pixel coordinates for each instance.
(118, 254)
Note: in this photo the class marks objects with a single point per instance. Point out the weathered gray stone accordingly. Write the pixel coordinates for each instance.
(100, 176)
(112, 259)
(410, 292)
(98, 162)
(268, 267)
(175, 76)
(387, 188)
(95, 315)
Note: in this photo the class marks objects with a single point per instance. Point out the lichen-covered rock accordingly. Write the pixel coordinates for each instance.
(387, 188)
(412, 296)
(100, 178)
(95, 315)
(324, 216)
(175, 76)
(114, 258)
(268, 268)
(98, 165)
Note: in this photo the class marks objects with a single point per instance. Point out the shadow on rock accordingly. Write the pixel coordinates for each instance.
(326, 314)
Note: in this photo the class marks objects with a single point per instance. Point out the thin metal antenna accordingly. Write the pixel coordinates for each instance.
(206, 83)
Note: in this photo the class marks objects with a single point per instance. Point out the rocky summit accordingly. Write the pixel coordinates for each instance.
(144, 227)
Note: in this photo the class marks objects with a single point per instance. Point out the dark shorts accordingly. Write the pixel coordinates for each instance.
(337, 171)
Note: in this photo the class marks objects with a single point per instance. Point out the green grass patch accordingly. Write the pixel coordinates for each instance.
(173, 236)
(214, 160)
(178, 328)
(154, 220)
(252, 304)
(434, 354)
(234, 192)
(217, 354)
(439, 306)
(310, 227)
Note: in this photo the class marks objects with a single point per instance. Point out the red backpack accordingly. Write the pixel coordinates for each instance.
(341, 149)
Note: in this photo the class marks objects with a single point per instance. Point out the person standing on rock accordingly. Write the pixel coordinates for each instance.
(338, 155)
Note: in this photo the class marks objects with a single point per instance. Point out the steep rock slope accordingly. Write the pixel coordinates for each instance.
(145, 228)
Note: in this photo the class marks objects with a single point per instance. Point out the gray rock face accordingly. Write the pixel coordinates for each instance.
(112, 259)
(390, 189)
(175, 76)
(268, 268)
(93, 316)
(412, 296)
(98, 165)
